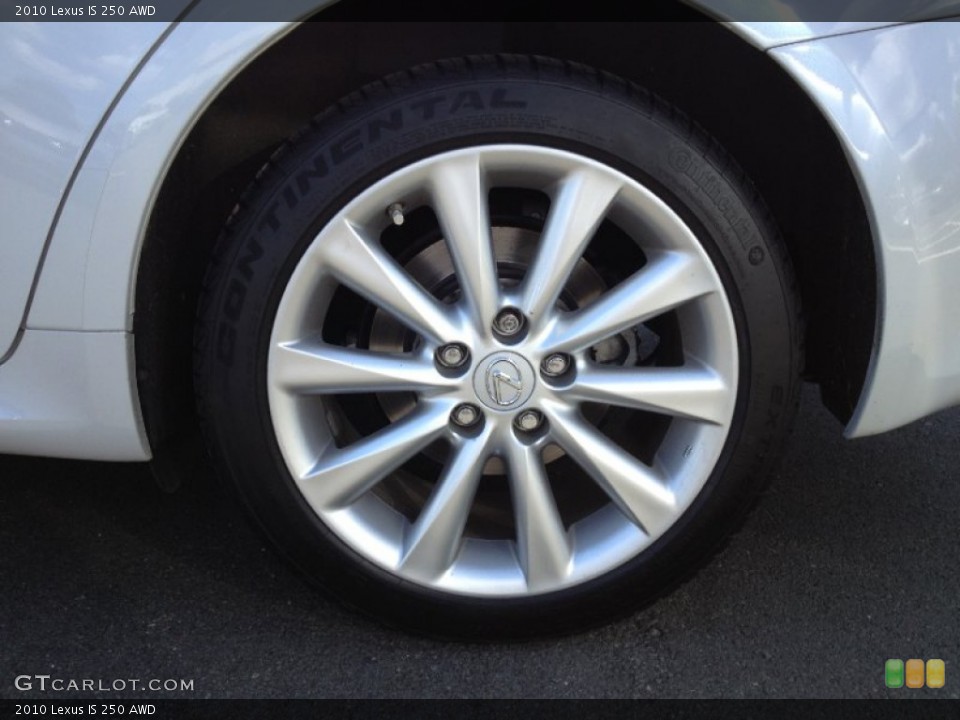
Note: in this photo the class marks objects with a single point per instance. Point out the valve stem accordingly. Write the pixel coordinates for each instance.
(395, 213)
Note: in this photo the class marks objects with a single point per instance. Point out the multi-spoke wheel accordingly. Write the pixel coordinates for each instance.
(498, 349)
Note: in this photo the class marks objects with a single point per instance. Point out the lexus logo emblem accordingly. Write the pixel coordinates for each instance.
(504, 382)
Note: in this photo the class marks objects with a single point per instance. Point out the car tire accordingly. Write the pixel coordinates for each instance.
(498, 347)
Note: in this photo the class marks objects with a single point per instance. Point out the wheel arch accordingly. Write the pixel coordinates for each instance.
(747, 102)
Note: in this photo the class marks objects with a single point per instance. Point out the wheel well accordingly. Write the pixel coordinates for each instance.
(744, 99)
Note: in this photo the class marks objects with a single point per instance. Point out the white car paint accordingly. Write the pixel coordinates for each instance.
(767, 35)
(106, 215)
(83, 304)
(58, 80)
(893, 97)
(72, 394)
(895, 126)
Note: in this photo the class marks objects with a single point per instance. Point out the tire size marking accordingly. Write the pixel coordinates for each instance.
(713, 186)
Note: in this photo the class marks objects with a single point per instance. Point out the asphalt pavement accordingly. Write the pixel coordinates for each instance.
(850, 559)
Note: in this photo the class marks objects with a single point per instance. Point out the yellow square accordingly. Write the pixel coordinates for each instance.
(936, 673)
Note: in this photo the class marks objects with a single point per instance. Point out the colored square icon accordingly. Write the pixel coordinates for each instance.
(893, 673)
(936, 673)
(914, 673)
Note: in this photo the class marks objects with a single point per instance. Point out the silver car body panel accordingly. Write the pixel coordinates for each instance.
(69, 389)
(58, 80)
(766, 35)
(891, 94)
(125, 169)
(73, 395)
(893, 98)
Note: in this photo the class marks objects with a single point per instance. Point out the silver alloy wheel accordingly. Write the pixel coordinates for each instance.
(502, 377)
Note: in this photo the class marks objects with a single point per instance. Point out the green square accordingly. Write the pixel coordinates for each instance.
(893, 673)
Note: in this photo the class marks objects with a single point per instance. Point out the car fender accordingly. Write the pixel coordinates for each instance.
(892, 98)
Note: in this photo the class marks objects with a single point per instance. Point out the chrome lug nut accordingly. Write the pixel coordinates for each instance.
(555, 365)
(508, 322)
(528, 420)
(453, 355)
(465, 415)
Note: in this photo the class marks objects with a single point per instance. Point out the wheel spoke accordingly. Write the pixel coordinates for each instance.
(365, 268)
(669, 280)
(577, 210)
(434, 539)
(694, 391)
(542, 542)
(308, 367)
(342, 475)
(634, 487)
(460, 202)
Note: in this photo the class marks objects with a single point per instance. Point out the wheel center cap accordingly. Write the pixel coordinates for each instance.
(504, 380)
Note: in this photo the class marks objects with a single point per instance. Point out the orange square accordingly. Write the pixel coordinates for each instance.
(915, 673)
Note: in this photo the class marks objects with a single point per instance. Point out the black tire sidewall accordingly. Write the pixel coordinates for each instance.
(415, 116)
